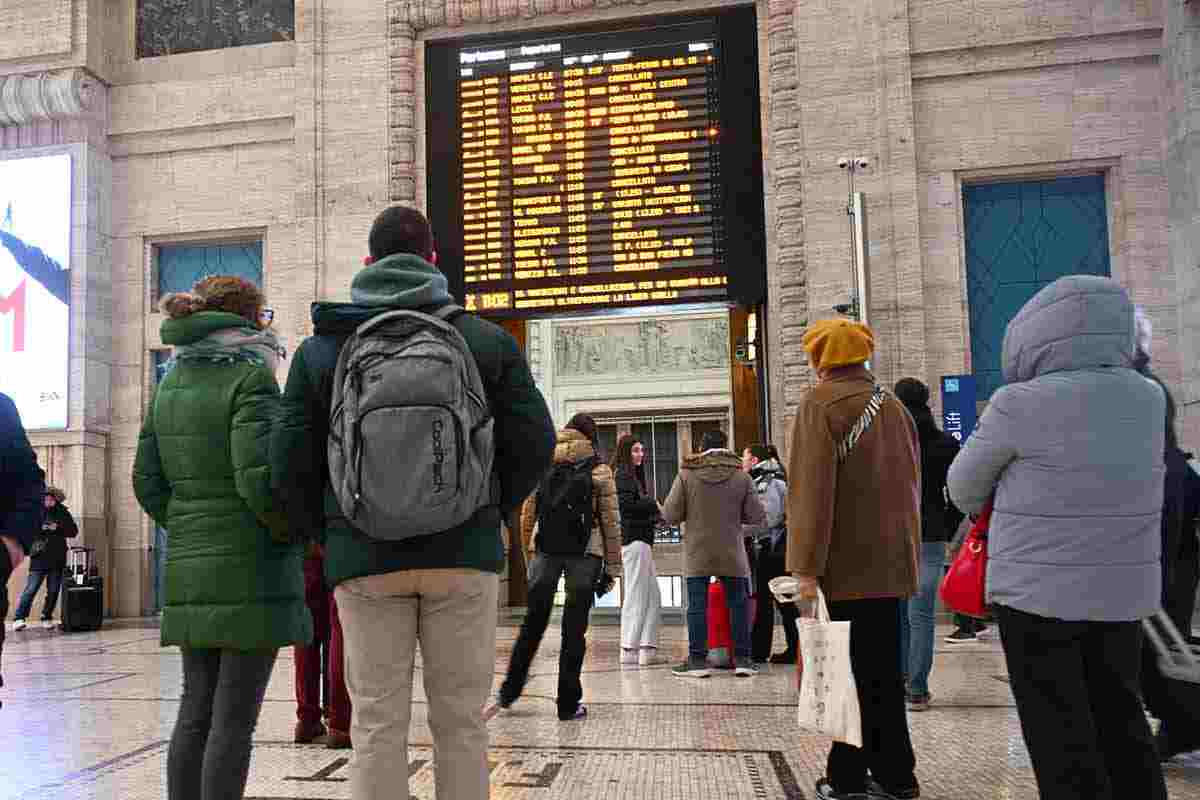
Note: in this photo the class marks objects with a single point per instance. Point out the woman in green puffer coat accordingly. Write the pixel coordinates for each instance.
(234, 583)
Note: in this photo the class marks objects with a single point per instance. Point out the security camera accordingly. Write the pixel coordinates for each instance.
(846, 309)
(843, 163)
(862, 163)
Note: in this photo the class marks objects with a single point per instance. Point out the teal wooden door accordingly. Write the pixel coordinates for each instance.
(1019, 238)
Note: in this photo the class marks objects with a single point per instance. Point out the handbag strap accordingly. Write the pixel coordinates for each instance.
(846, 446)
(822, 607)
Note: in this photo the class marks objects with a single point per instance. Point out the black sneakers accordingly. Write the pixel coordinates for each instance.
(962, 636)
(691, 669)
(877, 792)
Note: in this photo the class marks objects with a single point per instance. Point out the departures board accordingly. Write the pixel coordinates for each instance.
(588, 172)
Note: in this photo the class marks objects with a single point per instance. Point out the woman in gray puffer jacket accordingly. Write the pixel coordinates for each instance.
(1071, 448)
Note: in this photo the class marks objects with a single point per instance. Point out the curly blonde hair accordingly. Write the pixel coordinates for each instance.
(216, 293)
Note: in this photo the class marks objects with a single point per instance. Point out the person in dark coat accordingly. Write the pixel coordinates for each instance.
(22, 489)
(641, 611)
(48, 559)
(939, 521)
(1175, 704)
(439, 590)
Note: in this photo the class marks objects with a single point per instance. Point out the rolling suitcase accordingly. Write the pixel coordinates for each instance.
(82, 592)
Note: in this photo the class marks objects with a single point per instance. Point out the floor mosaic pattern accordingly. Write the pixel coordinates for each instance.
(88, 716)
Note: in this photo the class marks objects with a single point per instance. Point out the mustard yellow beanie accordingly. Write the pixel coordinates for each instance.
(832, 343)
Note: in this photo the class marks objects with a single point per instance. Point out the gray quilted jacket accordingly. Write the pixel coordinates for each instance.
(1072, 446)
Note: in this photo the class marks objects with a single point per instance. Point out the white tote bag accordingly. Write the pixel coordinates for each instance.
(828, 694)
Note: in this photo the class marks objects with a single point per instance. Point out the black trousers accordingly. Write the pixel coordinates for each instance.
(1076, 686)
(581, 574)
(763, 633)
(6, 570)
(875, 657)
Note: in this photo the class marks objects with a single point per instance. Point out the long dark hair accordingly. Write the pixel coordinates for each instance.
(622, 459)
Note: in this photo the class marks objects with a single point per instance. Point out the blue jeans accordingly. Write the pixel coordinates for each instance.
(922, 610)
(53, 579)
(737, 594)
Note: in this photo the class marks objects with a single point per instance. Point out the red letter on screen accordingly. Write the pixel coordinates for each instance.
(15, 304)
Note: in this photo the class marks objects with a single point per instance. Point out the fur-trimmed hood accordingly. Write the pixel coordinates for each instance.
(713, 466)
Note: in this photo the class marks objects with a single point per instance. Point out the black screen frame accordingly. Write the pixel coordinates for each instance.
(739, 143)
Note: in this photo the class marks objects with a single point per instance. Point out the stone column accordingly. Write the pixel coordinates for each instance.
(1181, 66)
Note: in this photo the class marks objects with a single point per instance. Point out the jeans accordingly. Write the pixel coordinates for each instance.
(1076, 686)
(209, 756)
(324, 657)
(53, 579)
(737, 591)
(581, 573)
(642, 609)
(922, 611)
(763, 634)
(451, 614)
(874, 656)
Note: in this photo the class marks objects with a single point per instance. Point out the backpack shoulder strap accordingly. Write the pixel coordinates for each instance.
(449, 312)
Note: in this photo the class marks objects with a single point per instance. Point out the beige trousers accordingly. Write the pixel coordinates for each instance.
(452, 613)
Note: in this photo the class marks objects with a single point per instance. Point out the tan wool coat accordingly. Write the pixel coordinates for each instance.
(713, 499)
(855, 526)
(605, 543)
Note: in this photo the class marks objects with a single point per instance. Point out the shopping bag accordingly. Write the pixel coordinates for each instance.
(964, 588)
(828, 694)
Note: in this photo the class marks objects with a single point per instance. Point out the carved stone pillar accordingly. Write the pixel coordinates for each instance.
(402, 68)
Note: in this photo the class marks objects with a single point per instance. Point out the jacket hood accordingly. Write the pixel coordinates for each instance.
(572, 446)
(1077, 322)
(400, 281)
(713, 466)
(195, 327)
(766, 469)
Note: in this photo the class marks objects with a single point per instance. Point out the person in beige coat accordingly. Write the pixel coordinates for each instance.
(714, 499)
(555, 521)
(854, 529)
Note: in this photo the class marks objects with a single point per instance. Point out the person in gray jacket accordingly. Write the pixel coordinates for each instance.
(1071, 449)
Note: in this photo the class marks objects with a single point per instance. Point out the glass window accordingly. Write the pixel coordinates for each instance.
(662, 456)
(607, 434)
(701, 427)
(180, 266)
(610, 600)
(670, 587)
(166, 27)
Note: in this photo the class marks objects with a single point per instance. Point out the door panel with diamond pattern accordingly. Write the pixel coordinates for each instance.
(1021, 237)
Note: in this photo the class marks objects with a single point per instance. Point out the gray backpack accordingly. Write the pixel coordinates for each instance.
(410, 433)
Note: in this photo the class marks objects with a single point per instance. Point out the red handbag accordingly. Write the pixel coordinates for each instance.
(965, 586)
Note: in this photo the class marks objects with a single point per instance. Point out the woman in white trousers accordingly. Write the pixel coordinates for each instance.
(639, 516)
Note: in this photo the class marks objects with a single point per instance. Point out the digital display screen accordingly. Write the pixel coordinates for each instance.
(35, 287)
(588, 170)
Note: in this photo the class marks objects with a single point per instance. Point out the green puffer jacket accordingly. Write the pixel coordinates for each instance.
(524, 431)
(232, 580)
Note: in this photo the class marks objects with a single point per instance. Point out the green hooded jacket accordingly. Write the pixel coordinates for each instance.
(524, 432)
(232, 580)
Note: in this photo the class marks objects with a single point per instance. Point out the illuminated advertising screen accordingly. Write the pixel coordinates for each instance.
(598, 169)
(35, 240)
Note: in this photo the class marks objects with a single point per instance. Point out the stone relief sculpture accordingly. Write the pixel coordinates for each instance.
(648, 347)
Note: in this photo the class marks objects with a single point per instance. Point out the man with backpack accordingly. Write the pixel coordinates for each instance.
(408, 430)
(575, 522)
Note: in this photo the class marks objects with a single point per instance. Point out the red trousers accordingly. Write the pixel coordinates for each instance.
(327, 645)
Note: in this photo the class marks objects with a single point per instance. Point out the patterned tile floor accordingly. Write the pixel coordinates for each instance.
(88, 716)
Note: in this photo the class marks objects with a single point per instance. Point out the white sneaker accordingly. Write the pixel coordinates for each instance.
(19, 625)
(49, 624)
(648, 657)
(628, 656)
